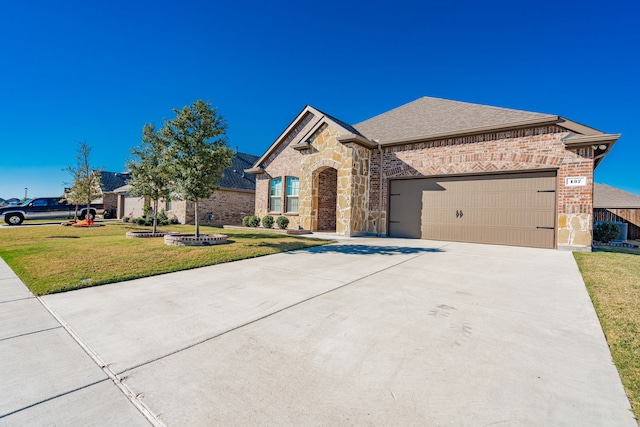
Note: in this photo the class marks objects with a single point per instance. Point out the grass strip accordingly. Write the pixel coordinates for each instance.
(613, 282)
(52, 259)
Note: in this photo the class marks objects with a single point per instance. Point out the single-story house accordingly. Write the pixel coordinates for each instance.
(437, 169)
(234, 198)
(109, 182)
(616, 205)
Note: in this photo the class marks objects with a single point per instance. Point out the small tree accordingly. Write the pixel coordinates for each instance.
(151, 169)
(199, 152)
(86, 180)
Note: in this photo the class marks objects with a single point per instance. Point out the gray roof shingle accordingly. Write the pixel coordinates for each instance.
(111, 180)
(606, 196)
(235, 176)
(428, 116)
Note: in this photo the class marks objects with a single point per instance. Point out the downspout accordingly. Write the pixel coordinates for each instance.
(379, 189)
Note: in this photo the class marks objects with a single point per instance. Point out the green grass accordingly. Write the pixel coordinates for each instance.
(613, 282)
(52, 259)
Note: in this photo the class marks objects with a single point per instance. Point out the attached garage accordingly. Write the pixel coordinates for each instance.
(516, 209)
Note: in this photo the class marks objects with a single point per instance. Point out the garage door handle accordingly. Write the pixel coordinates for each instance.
(546, 228)
(459, 214)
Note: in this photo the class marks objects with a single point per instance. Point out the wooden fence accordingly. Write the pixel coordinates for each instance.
(629, 216)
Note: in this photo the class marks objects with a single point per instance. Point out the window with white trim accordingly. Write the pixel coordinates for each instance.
(293, 189)
(275, 195)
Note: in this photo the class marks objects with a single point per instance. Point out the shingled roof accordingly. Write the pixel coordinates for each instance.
(606, 196)
(430, 118)
(109, 181)
(235, 176)
(427, 117)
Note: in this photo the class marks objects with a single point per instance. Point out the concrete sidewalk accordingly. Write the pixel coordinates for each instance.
(365, 331)
(46, 376)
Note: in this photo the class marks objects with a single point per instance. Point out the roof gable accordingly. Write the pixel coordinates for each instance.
(606, 196)
(306, 122)
(426, 117)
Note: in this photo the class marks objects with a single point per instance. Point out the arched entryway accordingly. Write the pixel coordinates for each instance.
(325, 194)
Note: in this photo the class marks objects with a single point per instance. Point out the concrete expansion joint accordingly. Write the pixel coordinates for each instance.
(119, 382)
(52, 398)
(17, 299)
(30, 333)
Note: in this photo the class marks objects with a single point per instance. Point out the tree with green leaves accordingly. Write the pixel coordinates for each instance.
(199, 152)
(86, 180)
(151, 169)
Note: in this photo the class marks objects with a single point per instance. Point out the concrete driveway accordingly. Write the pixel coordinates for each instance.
(362, 332)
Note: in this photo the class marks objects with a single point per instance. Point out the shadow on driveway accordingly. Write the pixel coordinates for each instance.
(370, 250)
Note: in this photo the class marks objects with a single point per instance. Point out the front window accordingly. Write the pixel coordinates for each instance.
(293, 188)
(275, 195)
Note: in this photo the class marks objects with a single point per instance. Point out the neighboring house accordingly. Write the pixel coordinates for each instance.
(109, 182)
(436, 169)
(613, 204)
(234, 199)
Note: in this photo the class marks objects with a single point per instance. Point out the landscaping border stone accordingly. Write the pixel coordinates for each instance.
(269, 230)
(144, 234)
(192, 240)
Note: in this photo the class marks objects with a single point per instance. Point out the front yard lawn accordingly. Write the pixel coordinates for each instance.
(613, 282)
(52, 259)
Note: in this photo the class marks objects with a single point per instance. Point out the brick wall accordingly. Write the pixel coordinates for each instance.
(327, 196)
(110, 201)
(285, 161)
(526, 149)
(228, 207)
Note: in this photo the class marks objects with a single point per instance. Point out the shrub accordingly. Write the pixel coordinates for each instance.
(267, 221)
(139, 221)
(605, 232)
(254, 221)
(147, 210)
(245, 220)
(282, 222)
(109, 213)
(173, 221)
(163, 219)
(126, 219)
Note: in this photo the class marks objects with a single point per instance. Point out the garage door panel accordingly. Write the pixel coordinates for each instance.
(511, 209)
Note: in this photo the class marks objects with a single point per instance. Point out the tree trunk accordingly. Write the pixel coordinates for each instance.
(195, 208)
(155, 215)
(86, 215)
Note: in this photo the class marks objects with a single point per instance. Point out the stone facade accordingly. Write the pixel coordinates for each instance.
(228, 206)
(344, 180)
(328, 170)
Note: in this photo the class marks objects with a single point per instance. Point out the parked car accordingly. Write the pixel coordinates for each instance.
(47, 208)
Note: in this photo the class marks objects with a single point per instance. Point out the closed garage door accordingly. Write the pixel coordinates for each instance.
(510, 209)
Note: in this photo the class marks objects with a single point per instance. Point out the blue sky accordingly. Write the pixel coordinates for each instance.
(98, 71)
